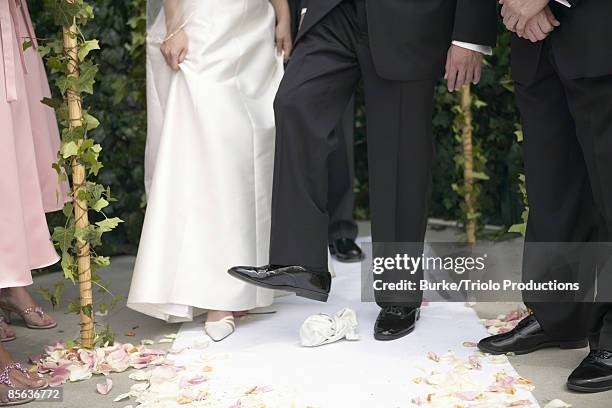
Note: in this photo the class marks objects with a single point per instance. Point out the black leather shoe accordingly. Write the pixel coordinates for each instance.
(304, 282)
(594, 374)
(394, 322)
(346, 250)
(526, 337)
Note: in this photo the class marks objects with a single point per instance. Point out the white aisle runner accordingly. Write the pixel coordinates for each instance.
(265, 352)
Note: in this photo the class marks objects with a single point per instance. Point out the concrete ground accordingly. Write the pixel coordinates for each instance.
(548, 369)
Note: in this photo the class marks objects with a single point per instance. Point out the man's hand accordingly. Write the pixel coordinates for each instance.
(540, 26)
(462, 67)
(175, 49)
(517, 13)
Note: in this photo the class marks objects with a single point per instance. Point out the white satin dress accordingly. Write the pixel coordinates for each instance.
(209, 162)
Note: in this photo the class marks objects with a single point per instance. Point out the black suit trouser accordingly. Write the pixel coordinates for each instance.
(324, 71)
(567, 126)
(341, 162)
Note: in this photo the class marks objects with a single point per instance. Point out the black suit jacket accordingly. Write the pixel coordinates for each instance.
(409, 39)
(581, 44)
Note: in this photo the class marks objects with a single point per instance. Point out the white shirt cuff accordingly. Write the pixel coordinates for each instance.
(564, 2)
(483, 49)
(304, 10)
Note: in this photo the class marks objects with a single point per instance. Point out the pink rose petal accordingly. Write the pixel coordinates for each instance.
(105, 387)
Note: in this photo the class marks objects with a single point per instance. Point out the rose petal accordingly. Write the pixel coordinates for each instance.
(122, 397)
(140, 375)
(433, 357)
(199, 379)
(79, 373)
(105, 387)
(557, 403)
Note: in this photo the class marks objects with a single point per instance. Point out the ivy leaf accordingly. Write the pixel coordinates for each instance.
(99, 205)
(52, 102)
(27, 44)
(68, 266)
(91, 121)
(478, 175)
(73, 307)
(86, 47)
(69, 149)
(101, 261)
(87, 78)
(63, 238)
(87, 310)
(90, 234)
(518, 228)
(109, 224)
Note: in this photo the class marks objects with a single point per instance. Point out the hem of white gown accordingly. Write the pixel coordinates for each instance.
(179, 313)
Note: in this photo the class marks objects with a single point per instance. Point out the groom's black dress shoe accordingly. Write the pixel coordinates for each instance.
(526, 337)
(394, 322)
(304, 282)
(345, 250)
(594, 374)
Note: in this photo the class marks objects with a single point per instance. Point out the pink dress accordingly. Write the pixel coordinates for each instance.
(29, 140)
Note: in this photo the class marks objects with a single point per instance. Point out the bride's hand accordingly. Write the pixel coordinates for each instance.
(175, 49)
(284, 43)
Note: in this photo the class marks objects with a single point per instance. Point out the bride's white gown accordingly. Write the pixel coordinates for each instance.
(209, 162)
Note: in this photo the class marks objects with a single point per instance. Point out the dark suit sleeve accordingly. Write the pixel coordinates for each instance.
(294, 10)
(574, 2)
(476, 22)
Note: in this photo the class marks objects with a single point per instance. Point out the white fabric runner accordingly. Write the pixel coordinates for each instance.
(266, 351)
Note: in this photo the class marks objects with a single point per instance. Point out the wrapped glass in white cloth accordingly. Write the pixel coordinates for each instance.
(321, 329)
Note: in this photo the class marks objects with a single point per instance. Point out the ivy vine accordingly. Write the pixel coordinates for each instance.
(68, 56)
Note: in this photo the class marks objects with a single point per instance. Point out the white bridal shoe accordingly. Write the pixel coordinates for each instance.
(221, 328)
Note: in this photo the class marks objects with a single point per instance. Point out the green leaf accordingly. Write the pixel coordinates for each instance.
(86, 47)
(52, 102)
(73, 307)
(87, 310)
(91, 121)
(63, 238)
(69, 149)
(109, 224)
(68, 266)
(87, 79)
(101, 261)
(519, 135)
(478, 175)
(99, 205)
(90, 234)
(26, 44)
(518, 228)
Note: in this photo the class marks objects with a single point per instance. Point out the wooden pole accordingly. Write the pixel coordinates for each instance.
(468, 166)
(73, 97)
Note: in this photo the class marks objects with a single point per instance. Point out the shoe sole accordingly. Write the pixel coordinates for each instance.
(349, 260)
(305, 293)
(570, 345)
(339, 258)
(383, 337)
(578, 388)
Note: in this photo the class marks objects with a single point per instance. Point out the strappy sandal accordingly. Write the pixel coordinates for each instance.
(4, 330)
(8, 310)
(5, 379)
(13, 402)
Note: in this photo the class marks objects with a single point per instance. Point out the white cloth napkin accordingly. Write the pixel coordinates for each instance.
(321, 329)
